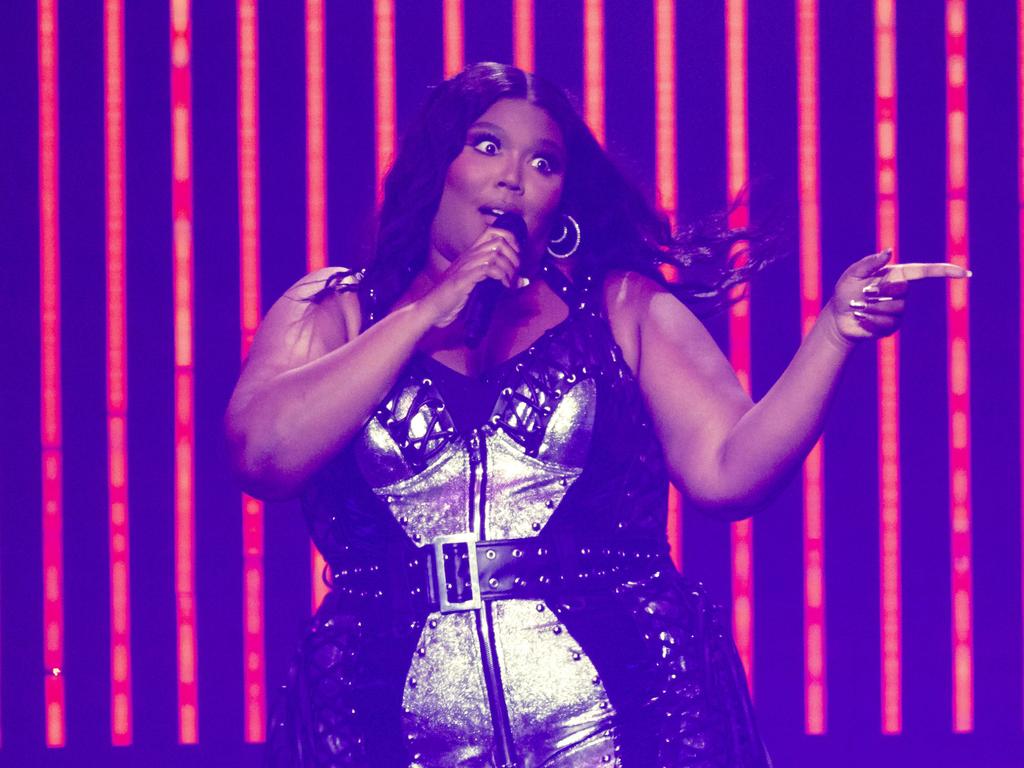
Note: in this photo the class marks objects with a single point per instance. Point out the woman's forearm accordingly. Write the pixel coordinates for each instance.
(283, 429)
(775, 435)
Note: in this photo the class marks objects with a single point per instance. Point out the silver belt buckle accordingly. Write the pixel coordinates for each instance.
(450, 577)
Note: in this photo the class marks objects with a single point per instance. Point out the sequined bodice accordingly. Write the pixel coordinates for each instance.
(567, 431)
(502, 479)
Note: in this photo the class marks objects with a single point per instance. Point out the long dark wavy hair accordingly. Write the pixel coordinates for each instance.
(621, 230)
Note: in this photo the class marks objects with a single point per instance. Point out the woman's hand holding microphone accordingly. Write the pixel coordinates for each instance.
(494, 255)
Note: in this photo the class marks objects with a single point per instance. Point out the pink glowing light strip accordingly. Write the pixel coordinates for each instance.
(117, 380)
(316, 187)
(49, 373)
(666, 156)
(1020, 196)
(810, 304)
(957, 319)
(384, 87)
(454, 36)
(253, 642)
(593, 67)
(184, 383)
(316, 199)
(522, 34)
(887, 236)
(742, 531)
(666, 180)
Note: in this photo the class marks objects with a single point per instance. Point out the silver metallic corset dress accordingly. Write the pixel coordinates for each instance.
(501, 592)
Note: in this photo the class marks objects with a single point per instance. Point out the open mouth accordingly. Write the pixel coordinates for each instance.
(497, 211)
(493, 212)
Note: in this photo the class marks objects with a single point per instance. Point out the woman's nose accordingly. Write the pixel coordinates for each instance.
(511, 176)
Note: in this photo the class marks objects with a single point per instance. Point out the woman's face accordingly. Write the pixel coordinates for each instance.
(513, 161)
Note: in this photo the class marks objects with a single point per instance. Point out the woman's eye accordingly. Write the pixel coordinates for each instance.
(486, 145)
(543, 165)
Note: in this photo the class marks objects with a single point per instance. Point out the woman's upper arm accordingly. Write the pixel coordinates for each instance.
(297, 331)
(691, 389)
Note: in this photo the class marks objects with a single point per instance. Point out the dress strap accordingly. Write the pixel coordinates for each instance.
(578, 297)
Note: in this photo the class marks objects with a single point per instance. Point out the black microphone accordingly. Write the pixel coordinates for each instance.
(484, 297)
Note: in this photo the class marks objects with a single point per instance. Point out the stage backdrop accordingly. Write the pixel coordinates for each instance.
(169, 170)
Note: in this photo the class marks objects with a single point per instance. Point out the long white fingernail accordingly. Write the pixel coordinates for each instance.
(522, 282)
(857, 304)
(869, 289)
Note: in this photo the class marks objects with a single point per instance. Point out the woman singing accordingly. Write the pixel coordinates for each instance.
(489, 494)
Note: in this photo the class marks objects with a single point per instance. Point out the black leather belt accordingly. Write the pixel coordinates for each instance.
(459, 573)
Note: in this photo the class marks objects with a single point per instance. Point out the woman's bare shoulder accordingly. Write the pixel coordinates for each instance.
(628, 297)
(629, 291)
(317, 281)
(314, 316)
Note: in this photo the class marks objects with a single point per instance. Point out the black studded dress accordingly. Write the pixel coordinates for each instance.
(501, 588)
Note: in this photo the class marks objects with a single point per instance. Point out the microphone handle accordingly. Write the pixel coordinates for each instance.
(484, 297)
(480, 308)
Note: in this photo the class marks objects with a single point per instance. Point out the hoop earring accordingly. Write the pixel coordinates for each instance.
(568, 240)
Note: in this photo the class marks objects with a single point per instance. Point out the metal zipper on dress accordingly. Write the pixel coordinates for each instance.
(476, 480)
(485, 632)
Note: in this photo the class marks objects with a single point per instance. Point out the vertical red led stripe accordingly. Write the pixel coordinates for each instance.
(958, 355)
(384, 87)
(454, 36)
(593, 67)
(742, 531)
(184, 383)
(522, 34)
(887, 236)
(117, 379)
(666, 166)
(49, 374)
(253, 642)
(316, 187)
(1020, 231)
(666, 158)
(810, 304)
(316, 199)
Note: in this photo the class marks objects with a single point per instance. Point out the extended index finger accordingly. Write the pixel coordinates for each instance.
(902, 273)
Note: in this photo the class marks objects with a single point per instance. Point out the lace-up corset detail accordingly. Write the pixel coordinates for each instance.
(531, 449)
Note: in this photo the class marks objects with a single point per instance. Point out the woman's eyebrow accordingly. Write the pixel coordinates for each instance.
(552, 146)
(485, 124)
